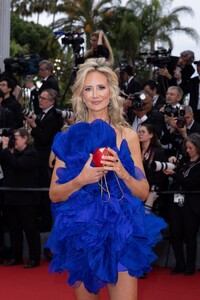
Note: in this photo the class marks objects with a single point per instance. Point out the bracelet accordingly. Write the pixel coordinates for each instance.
(148, 206)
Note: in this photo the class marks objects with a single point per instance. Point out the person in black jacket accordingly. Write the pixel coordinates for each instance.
(153, 88)
(152, 152)
(49, 81)
(144, 113)
(184, 210)
(6, 115)
(20, 163)
(190, 124)
(6, 86)
(177, 72)
(194, 94)
(43, 130)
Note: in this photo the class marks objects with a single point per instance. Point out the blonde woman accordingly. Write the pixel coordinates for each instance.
(100, 234)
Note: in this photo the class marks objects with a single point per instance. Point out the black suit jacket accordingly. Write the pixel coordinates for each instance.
(154, 118)
(13, 105)
(193, 90)
(186, 74)
(43, 136)
(190, 182)
(160, 102)
(45, 131)
(20, 170)
(6, 118)
(50, 83)
(194, 128)
(133, 87)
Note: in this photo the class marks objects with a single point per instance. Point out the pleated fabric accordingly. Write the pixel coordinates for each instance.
(102, 229)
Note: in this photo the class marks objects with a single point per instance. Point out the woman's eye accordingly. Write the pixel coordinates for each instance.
(88, 89)
(101, 87)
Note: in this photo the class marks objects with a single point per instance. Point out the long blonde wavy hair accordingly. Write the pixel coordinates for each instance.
(115, 108)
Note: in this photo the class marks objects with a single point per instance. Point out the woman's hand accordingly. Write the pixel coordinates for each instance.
(113, 163)
(90, 174)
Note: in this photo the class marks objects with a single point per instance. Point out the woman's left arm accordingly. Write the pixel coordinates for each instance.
(139, 188)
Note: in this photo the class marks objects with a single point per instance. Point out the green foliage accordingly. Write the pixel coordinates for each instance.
(33, 38)
(139, 26)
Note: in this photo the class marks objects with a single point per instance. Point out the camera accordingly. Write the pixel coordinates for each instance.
(27, 113)
(170, 111)
(162, 166)
(8, 132)
(180, 123)
(123, 64)
(74, 39)
(65, 113)
(154, 188)
(159, 58)
(178, 112)
(25, 64)
(138, 100)
(181, 111)
(71, 37)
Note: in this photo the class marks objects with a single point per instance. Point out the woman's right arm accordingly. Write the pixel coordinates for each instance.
(88, 175)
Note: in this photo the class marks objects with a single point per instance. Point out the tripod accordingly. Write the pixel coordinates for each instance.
(77, 60)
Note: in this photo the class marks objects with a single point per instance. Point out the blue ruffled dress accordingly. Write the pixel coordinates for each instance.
(93, 238)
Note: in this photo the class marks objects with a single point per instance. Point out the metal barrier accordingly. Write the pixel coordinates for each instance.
(44, 189)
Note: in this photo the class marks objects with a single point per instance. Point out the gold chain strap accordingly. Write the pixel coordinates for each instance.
(107, 189)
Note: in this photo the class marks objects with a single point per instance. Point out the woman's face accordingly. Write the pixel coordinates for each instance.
(191, 150)
(96, 92)
(144, 135)
(20, 141)
(93, 42)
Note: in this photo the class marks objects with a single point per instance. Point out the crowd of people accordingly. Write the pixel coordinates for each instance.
(50, 182)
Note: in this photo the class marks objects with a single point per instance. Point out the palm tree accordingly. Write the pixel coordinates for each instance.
(158, 22)
(83, 14)
(38, 7)
(21, 7)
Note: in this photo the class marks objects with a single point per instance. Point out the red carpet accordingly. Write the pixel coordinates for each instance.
(17, 283)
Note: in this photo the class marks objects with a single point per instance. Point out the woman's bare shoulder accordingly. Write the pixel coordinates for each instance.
(130, 133)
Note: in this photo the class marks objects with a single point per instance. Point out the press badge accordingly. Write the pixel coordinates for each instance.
(179, 199)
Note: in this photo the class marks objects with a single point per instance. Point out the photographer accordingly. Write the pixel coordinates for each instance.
(194, 93)
(143, 113)
(171, 138)
(152, 151)
(184, 208)
(130, 85)
(153, 88)
(49, 81)
(43, 129)
(178, 71)
(100, 47)
(6, 86)
(20, 162)
(6, 116)
(190, 125)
